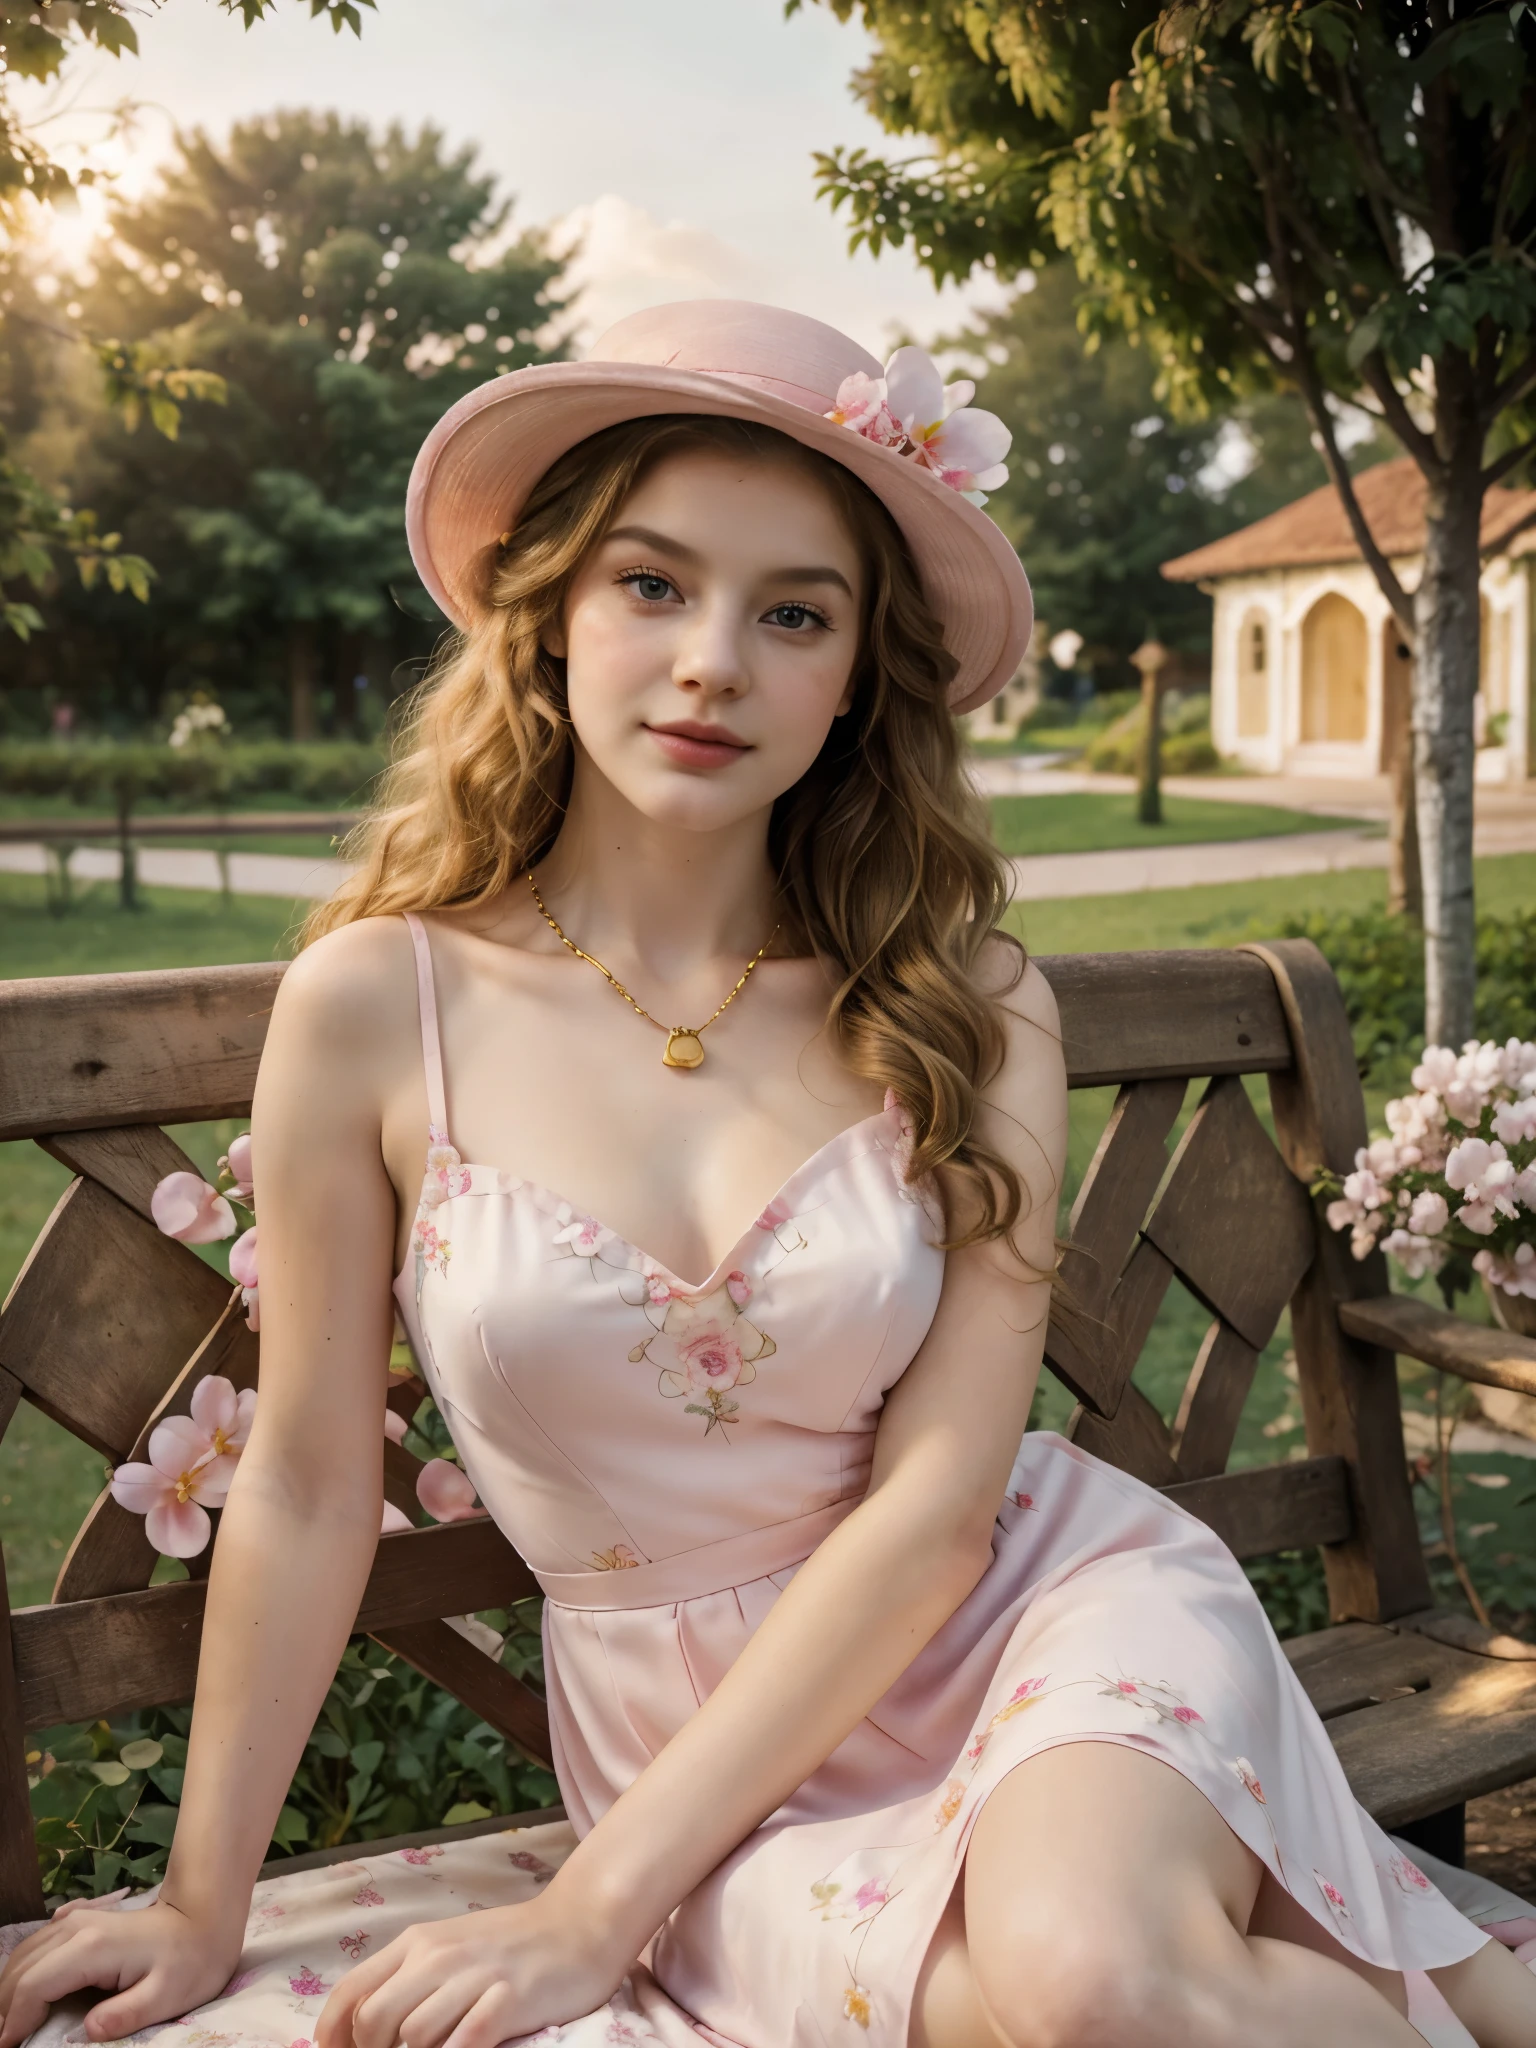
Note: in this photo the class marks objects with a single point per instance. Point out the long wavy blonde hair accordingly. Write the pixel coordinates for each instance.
(884, 866)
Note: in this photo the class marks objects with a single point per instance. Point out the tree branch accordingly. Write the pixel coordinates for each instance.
(1304, 370)
(1512, 390)
(1394, 410)
(1501, 466)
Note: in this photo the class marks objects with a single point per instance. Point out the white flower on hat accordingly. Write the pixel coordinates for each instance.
(912, 410)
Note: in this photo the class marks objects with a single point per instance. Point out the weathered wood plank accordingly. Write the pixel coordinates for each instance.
(1272, 1507)
(1135, 1440)
(1233, 1221)
(129, 1161)
(1348, 1388)
(1094, 1355)
(131, 1650)
(103, 1316)
(21, 1889)
(440, 1653)
(1144, 1016)
(111, 1553)
(1417, 1329)
(1211, 1406)
(88, 1051)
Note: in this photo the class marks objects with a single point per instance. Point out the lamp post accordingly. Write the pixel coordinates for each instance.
(1150, 658)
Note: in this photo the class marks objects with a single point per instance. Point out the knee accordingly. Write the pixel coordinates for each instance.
(1091, 1989)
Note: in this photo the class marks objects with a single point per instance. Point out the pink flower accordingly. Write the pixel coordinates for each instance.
(871, 1892)
(1436, 1071)
(242, 1270)
(658, 1289)
(395, 1426)
(185, 1207)
(237, 1164)
(584, 1234)
(170, 1491)
(861, 405)
(1023, 1500)
(739, 1288)
(225, 1419)
(1335, 1898)
(370, 1895)
(1187, 1715)
(446, 1492)
(535, 1866)
(1515, 1122)
(712, 1358)
(428, 1854)
(1515, 1274)
(306, 1984)
(1409, 1876)
(1416, 1255)
(1250, 1778)
(1429, 1214)
(964, 448)
(393, 1522)
(354, 1944)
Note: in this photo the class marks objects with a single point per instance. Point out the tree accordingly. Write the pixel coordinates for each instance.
(1336, 199)
(37, 37)
(346, 287)
(1104, 484)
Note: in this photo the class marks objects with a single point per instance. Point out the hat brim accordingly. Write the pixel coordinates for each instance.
(483, 458)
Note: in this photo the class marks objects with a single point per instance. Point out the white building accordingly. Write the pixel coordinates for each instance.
(1309, 674)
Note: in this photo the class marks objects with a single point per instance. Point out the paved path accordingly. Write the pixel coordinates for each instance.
(1506, 823)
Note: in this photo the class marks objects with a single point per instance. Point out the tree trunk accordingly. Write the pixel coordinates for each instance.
(1405, 882)
(1149, 793)
(1444, 686)
(303, 661)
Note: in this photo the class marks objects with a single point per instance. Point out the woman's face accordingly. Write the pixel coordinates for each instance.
(710, 639)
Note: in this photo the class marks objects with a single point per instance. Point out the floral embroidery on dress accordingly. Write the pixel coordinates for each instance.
(354, 1944)
(856, 2004)
(1155, 1698)
(1338, 1905)
(428, 1854)
(535, 1866)
(949, 1805)
(703, 1346)
(370, 1895)
(584, 1235)
(446, 1176)
(621, 1558)
(1022, 1696)
(306, 1984)
(1410, 1878)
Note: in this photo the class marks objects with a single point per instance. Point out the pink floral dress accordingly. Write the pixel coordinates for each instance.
(665, 1452)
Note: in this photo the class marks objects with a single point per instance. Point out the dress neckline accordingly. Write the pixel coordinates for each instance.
(767, 1220)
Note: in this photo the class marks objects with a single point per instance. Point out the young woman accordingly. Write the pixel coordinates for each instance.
(875, 1726)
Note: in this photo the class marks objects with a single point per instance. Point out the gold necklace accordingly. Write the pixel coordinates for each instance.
(684, 1048)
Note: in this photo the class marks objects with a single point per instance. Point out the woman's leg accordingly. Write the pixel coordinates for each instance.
(1493, 1996)
(1105, 1902)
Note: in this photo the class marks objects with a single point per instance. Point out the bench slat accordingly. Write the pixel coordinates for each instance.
(83, 1052)
(99, 1657)
(1418, 1726)
(1273, 1507)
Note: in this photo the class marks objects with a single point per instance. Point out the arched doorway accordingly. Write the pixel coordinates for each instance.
(1334, 655)
(1253, 677)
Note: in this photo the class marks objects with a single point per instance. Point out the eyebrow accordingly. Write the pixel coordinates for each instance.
(664, 543)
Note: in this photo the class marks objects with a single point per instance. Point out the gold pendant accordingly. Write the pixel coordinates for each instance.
(683, 1049)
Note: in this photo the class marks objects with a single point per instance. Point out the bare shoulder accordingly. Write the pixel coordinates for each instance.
(1025, 1104)
(349, 999)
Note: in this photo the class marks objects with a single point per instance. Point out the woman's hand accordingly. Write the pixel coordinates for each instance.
(159, 1962)
(477, 1980)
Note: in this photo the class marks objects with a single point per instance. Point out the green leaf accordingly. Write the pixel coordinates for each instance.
(153, 1824)
(465, 1810)
(110, 1773)
(1366, 338)
(140, 1755)
(367, 1756)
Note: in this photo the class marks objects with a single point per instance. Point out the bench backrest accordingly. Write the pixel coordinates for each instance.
(110, 1325)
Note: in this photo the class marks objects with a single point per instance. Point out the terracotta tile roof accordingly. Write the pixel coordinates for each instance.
(1314, 530)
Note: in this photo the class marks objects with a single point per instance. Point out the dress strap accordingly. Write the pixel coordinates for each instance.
(431, 1043)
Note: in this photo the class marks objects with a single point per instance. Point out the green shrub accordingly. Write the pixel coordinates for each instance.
(391, 1754)
(1380, 964)
(105, 775)
(1186, 748)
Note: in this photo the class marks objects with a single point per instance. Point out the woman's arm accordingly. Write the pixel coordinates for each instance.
(849, 1623)
(298, 1533)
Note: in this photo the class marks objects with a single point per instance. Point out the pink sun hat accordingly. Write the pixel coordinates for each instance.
(913, 445)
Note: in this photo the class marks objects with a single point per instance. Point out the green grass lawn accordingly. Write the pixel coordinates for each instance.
(47, 1480)
(1092, 822)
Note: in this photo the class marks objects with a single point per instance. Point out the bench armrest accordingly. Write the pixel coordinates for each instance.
(1398, 1322)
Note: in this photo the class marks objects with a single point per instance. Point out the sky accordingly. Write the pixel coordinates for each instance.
(674, 139)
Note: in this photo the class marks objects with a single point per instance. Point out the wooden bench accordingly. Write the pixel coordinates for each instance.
(110, 1326)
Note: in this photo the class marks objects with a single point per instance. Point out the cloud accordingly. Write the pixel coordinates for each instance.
(626, 259)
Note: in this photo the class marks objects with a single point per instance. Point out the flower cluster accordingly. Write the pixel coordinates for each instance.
(1451, 1190)
(201, 719)
(193, 1210)
(192, 1459)
(912, 410)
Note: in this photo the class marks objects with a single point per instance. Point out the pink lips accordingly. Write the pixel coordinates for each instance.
(698, 746)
